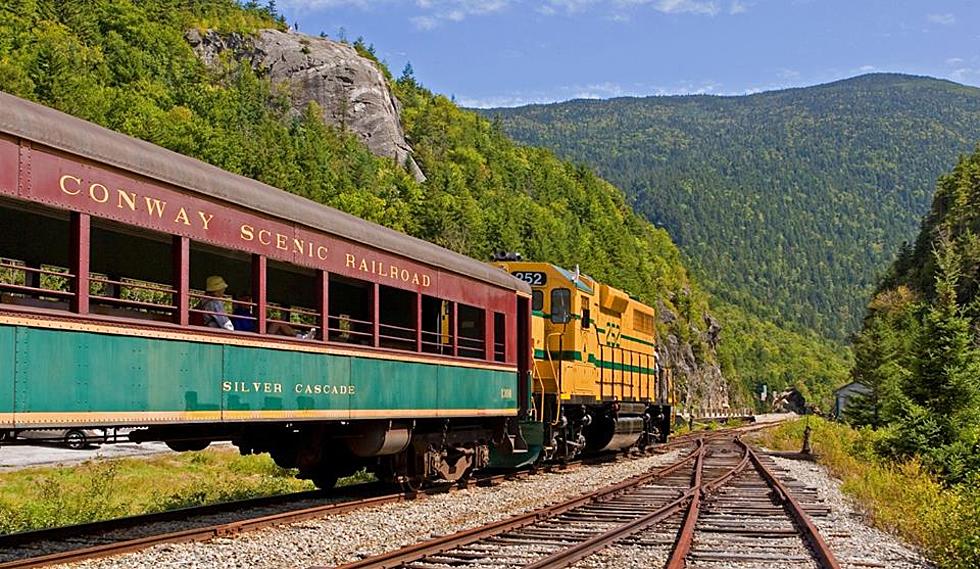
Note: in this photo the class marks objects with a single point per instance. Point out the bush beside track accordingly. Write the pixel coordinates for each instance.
(904, 499)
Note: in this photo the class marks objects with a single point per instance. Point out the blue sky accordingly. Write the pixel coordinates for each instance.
(512, 52)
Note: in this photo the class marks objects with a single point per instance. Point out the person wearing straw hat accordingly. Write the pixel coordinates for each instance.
(214, 307)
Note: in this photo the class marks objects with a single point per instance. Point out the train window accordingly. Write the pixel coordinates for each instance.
(537, 300)
(399, 312)
(219, 279)
(561, 305)
(437, 325)
(131, 272)
(499, 336)
(34, 256)
(472, 331)
(351, 310)
(291, 298)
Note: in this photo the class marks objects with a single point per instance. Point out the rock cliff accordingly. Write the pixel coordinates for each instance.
(697, 380)
(349, 88)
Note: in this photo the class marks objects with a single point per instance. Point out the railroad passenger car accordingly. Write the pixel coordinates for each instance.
(351, 345)
(597, 383)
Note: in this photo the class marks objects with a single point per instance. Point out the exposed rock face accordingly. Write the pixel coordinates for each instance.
(349, 88)
(697, 382)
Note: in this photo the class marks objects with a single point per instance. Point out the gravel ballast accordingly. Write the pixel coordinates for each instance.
(856, 544)
(344, 538)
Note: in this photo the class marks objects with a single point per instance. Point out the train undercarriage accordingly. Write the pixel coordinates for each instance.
(414, 453)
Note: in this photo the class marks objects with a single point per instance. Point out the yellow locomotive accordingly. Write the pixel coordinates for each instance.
(597, 383)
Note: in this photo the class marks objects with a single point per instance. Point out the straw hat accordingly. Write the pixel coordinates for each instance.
(216, 284)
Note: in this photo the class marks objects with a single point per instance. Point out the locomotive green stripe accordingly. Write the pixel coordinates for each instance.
(83, 372)
(569, 355)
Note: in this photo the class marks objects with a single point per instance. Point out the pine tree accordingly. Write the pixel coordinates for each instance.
(947, 382)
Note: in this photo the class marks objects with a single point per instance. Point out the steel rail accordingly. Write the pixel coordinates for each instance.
(685, 537)
(200, 534)
(418, 551)
(580, 551)
(825, 557)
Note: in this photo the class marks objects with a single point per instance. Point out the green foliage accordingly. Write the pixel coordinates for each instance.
(36, 498)
(787, 202)
(918, 350)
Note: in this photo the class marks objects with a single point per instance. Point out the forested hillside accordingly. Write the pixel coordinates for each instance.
(127, 66)
(918, 351)
(788, 203)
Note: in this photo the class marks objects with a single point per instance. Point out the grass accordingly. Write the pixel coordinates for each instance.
(903, 498)
(36, 498)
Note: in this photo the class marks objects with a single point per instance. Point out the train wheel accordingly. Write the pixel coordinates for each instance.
(412, 484)
(324, 480)
(75, 439)
(185, 446)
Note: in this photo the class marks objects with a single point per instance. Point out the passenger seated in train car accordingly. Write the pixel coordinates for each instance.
(214, 307)
(243, 317)
(284, 329)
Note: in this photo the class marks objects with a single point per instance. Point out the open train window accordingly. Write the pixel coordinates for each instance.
(131, 272)
(561, 305)
(499, 336)
(399, 312)
(291, 302)
(472, 331)
(219, 281)
(537, 300)
(437, 325)
(351, 310)
(34, 256)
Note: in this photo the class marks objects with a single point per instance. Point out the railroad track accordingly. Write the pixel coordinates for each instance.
(720, 505)
(123, 535)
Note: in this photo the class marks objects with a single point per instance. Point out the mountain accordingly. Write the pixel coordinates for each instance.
(788, 203)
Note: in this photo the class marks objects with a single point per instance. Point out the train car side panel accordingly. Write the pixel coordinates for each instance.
(9, 160)
(478, 391)
(264, 383)
(66, 377)
(7, 354)
(71, 377)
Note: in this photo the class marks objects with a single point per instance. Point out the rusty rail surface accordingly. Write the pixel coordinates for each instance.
(810, 532)
(195, 534)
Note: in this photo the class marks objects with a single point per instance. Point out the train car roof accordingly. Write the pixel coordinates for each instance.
(49, 127)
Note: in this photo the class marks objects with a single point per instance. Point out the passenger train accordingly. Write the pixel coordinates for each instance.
(144, 289)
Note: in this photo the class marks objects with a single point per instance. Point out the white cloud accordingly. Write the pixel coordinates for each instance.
(942, 19)
(709, 8)
(866, 69)
(601, 90)
(424, 22)
(430, 14)
(954, 61)
(567, 6)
